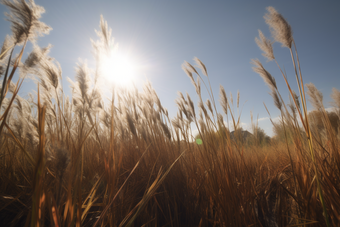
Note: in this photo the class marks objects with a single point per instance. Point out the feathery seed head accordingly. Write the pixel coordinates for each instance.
(190, 67)
(191, 105)
(182, 99)
(223, 100)
(7, 43)
(180, 115)
(220, 120)
(296, 97)
(36, 56)
(208, 103)
(280, 29)
(202, 125)
(24, 17)
(22, 106)
(184, 108)
(277, 101)
(202, 66)
(175, 122)
(2, 69)
(105, 36)
(180, 104)
(166, 112)
(198, 87)
(201, 106)
(189, 73)
(200, 114)
(157, 101)
(38, 59)
(292, 107)
(266, 76)
(52, 72)
(266, 46)
(11, 87)
(188, 115)
(336, 97)
(83, 79)
(315, 96)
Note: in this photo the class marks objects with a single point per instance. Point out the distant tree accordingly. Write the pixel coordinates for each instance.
(239, 135)
(260, 137)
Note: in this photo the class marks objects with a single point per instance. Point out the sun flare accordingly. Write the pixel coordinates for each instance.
(119, 69)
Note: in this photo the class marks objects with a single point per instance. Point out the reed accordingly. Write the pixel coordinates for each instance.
(80, 161)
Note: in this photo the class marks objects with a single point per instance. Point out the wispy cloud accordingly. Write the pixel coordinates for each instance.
(330, 109)
(276, 119)
(263, 118)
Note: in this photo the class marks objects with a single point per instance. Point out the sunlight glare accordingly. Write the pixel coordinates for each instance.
(119, 69)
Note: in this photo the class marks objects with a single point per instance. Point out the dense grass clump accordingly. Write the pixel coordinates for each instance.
(81, 162)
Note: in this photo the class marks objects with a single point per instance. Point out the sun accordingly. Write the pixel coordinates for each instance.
(119, 69)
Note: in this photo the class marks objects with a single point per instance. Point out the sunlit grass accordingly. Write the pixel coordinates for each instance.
(81, 161)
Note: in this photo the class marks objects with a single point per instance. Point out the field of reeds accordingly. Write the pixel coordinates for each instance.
(80, 161)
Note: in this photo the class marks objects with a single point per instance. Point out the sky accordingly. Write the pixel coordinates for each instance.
(160, 35)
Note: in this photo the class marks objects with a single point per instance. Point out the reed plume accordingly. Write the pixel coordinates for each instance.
(280, 29)
(106, 160)
(24, 17)
(52, 71)
(266, 46)
(336, 98)
(189, 73)
(201, 66)
(83, 81)
(191, 105)
(208, 103)
(4, 53)
(277, 100)
(223, 100)
(266, 76)
(8, 42)
(315, 96)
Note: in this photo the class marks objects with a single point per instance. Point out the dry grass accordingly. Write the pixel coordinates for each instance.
(83, 162)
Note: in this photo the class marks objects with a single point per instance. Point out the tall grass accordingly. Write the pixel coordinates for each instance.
(81, 161)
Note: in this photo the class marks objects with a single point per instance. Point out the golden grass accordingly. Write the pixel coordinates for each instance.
(81, 162)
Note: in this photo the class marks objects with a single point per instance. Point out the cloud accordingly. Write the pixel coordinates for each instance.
(277, 119)
(330, 109)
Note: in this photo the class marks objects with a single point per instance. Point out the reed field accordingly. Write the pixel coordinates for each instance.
(86, 161)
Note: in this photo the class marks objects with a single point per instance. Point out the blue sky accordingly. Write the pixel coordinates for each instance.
(161, 35)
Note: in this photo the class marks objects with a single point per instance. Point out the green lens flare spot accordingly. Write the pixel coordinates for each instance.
(199, 141)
